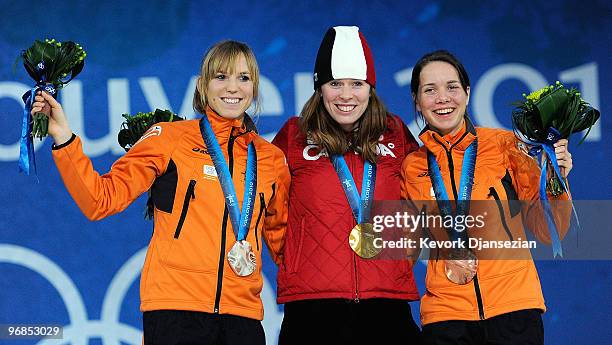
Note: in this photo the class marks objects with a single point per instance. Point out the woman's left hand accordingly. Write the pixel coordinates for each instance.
(564, 157)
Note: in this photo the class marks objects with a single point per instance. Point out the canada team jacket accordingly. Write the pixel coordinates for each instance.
(503, 173)
(318, 261)
(186, 264)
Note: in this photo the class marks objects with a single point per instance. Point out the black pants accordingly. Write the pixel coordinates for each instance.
(522, 327)
(334, 321)
(178, 327)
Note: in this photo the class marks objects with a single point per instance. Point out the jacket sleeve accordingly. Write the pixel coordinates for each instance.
(277, 210)
(411, 205)
(281, 140)
(404, 195)
(410, 143)
(526, 173)
(130, 176)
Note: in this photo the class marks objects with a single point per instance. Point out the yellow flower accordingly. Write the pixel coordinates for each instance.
(535, 95)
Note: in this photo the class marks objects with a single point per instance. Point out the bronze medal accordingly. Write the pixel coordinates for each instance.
(461, 266)
(362, 239)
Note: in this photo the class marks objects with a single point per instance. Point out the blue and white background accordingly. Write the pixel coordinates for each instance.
(58, 267)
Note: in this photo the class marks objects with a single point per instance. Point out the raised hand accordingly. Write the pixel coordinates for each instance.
(58, 124)
(564, 157)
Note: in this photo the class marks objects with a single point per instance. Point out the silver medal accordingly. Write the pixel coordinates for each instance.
(242, 259)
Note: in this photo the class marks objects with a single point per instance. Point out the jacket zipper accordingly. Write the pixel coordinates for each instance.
(230, 154)
(500, 207)
(262, 207)
(452, 177)
(478, 298)
(356, 299)
(188, 197)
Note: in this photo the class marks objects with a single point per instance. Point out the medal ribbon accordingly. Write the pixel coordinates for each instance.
(547, 150)
(360, 206)
(465, 186)
(27, 159)
(240, 221)
(27, 155)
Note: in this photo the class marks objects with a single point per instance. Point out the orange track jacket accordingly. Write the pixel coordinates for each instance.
(503, 172)
(186, 266)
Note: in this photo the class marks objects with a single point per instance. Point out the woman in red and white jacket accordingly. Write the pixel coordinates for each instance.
(327, 288)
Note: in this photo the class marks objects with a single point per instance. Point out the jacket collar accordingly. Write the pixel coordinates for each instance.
(223, 127)
(435, 142)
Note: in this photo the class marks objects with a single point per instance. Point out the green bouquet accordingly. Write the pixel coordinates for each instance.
(134, 127)
(553, 106)
(51, 64)
(540, 120)
(549, 114)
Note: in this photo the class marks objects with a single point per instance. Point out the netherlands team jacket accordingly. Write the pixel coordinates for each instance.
(503, 174)
(186, 264)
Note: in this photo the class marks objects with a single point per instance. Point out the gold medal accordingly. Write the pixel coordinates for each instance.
(362, 241)
(461, 266)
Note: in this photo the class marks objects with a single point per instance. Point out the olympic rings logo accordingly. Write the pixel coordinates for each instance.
(108, 328)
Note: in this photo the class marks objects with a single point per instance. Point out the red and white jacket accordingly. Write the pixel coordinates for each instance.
(318, 262)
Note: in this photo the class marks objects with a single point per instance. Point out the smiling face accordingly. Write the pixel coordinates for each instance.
(441, 98)
(230, 93)
(346, 100)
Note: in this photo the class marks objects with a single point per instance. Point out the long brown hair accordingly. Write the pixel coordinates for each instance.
(222, 57)
(318, 125)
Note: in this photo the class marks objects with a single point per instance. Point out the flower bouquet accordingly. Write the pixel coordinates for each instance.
(134, 127)
(550, 114)
(540, 120)
(51, 64)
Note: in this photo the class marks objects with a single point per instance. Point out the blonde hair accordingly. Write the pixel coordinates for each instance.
(223, 57)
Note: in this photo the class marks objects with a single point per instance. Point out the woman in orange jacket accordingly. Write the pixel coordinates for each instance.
(217, 187)
(491, 301)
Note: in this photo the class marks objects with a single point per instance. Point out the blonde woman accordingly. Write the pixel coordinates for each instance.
(217, 187)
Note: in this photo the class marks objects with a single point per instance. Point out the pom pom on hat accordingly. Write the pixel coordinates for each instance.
(344, 54)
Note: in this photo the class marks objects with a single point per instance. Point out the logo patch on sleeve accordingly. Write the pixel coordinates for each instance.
(152, 132)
